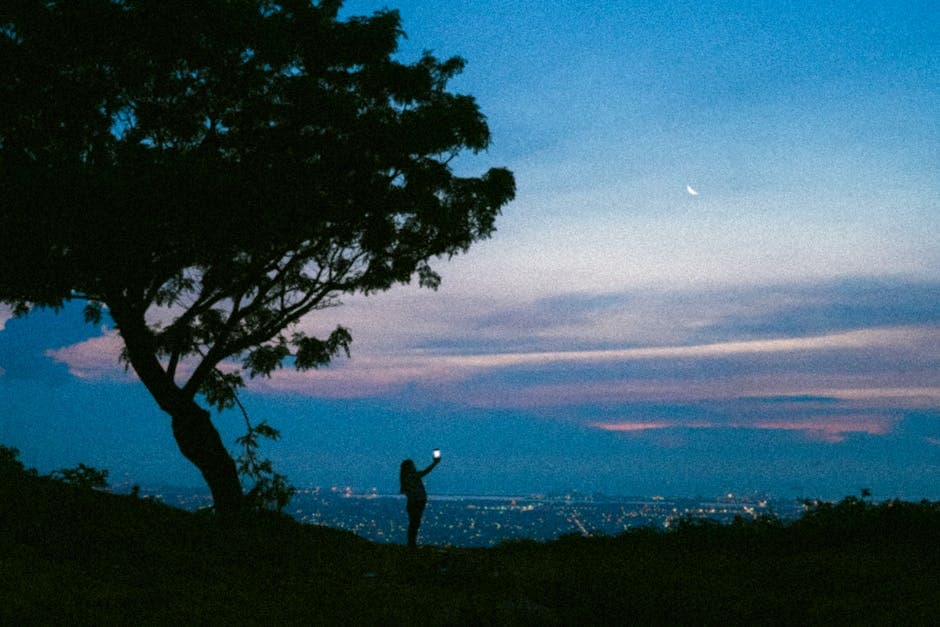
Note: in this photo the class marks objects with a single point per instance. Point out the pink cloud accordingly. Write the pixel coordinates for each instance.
(634, 426)
(366, 376)
(95, 358)
(343, 381)
(851, 391)
(865, 338)
(912, 397)
(830, 428)
(378, 374)
(98, 358)
(372, 374)
(822, 428)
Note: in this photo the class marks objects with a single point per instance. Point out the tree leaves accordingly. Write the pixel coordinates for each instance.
(93, 312)
(239, 164)
(264, 359)
(220, 388)
(313, 353)
(212, 172)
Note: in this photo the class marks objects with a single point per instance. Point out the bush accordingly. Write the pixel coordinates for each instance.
(82, 476)
(10, 464)
(9, 460)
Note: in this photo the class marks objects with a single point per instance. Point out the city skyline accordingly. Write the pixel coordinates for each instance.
(487, 521)
(720, 273)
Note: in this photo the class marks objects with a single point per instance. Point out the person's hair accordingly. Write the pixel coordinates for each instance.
(407, 467)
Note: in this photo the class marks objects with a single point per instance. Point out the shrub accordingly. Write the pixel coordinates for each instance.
(10, 464)
(9, 460)
(82, 476)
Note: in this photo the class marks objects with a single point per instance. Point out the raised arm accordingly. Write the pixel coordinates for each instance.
(421, 473)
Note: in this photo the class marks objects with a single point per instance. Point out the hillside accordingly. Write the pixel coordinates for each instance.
(86, 557)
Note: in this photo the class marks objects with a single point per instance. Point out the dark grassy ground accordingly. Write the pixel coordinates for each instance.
(72, 556)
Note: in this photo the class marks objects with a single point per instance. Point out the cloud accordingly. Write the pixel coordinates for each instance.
(775, 359)
(820, 428)
(358, 378)
(529, 380)
(95, 358)
(99, 358)
(847, 391)
(865, 338)
(5, 314)
(459, 323)
(654, 317)
(833, 306)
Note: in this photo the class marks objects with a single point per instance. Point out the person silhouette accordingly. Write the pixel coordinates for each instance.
(413, 489)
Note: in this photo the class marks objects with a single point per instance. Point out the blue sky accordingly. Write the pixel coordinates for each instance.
(779, 331)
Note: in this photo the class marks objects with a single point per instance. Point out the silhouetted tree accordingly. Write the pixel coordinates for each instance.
(211, 171)
(82, 476)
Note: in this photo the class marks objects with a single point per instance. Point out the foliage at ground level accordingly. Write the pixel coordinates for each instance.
(72, 554)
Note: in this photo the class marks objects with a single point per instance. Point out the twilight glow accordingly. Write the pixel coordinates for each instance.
(776, 330)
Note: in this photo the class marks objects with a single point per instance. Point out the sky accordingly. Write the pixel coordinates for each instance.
(776, 332)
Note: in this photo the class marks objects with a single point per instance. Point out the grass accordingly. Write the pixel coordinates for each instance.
(79, 556)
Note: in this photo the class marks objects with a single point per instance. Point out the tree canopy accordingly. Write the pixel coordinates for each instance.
(234, 165)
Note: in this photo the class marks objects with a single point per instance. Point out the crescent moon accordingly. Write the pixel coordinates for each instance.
(691, 191)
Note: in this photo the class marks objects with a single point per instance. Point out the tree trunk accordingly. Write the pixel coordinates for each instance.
(200, 443)
(195, 434)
